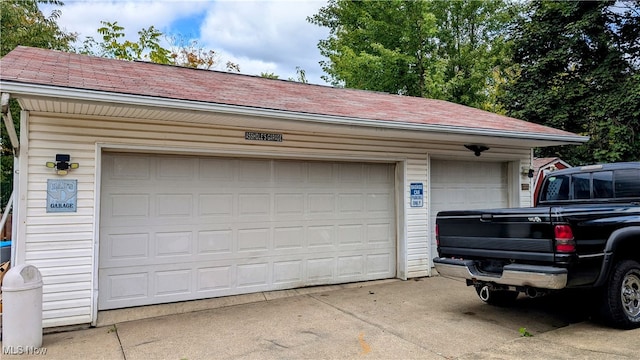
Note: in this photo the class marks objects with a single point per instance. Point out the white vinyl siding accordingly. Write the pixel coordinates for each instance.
(417, 222)
(64, 245)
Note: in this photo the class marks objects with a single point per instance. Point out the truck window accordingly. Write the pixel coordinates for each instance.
(603, 185)
(627, 183)
(555, 188)
(580, 184)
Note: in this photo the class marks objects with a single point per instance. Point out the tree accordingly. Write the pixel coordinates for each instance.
(22, 23)
(578, 70)
(438, 49)
(301, 76)
(148, 48)
(471, 40)
(380, 45)
(269, 75)
(300, 73)
(113, 46)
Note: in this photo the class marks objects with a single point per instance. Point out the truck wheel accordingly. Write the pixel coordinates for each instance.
(496, 297)
(621, 305)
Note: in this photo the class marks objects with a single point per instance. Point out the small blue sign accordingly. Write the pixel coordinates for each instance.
(417, 194)
(62, 195)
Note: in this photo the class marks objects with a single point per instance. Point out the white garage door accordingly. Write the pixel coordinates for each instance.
(176, 228)
(466, 185)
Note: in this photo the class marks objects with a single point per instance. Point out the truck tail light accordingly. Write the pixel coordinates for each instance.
(564, 239)
(437, 236)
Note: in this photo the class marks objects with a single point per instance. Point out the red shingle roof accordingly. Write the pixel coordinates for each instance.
(67, 70)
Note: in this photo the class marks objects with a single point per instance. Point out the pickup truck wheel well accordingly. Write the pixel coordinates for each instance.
(628, 249)
(623, 244)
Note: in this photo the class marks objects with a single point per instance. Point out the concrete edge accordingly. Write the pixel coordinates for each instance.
(111, 317)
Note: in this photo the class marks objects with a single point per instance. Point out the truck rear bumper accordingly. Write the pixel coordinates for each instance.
(542, 277)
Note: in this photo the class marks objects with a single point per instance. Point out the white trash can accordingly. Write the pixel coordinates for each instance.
(22, 308)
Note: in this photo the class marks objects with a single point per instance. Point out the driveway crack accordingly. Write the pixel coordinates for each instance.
(376, 325)
(115, 329)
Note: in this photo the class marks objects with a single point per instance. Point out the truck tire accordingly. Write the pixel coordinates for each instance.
(496, 297)
(621, 303)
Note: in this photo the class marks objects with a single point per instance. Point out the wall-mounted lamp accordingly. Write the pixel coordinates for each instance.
(527, 172)
(62, 164)
(477, 149)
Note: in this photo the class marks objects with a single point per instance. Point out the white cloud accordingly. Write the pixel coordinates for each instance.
(84, 17)
(260, 36)
(266, 36)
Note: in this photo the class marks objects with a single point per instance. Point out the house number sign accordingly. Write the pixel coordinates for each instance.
(260, 136)
(62, 195)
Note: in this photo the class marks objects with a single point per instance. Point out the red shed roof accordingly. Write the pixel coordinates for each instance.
(34, 66)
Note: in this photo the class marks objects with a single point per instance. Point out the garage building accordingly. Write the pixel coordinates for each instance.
(187, 184)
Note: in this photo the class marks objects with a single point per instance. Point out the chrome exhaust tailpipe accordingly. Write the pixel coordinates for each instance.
(534, 293)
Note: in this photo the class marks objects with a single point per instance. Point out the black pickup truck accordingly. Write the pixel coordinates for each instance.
(584, 232)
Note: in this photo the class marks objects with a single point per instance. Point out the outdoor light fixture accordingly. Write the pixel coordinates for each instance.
(62, 164)
(477, 149)
(527, 172)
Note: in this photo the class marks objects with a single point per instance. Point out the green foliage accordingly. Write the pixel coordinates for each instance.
(524, 333)
(472, 40)
(301, 76)
(114, 46)
(148, 48)
(449, 50)
(22, 23)
(578, 70)
(269, 75)
(379, 45)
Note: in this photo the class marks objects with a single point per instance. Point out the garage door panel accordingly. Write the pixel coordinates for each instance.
(321, 236)
(216, 169)
(320, 173)
(379, 263)
(215, 242)
(174, 205)
(289, 205)
(253, 240)
(240, 226)
(379, 233)
(172, 282)
(252, 275)
(289, 172)
(288, 272)
(350, 234)
(253, 171)
(172, 244)
(288, 238)
(377, 175)
(129, 168)
(177, 169)
(350, 173)
(127, 206)
(350, 266)
(216, 205)
(255, 205)
(213, 279)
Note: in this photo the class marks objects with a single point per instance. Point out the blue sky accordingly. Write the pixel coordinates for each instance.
(270, 36)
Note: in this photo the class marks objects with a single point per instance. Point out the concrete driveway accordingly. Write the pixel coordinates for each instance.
(429, 318)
